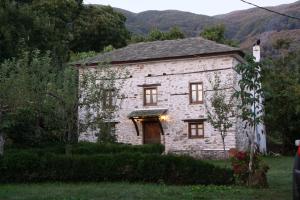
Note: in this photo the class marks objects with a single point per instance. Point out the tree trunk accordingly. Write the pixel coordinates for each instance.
(1, 144)
(223, 141)
(252, 151)
(251, 158)
(1, 137)
(69, 143)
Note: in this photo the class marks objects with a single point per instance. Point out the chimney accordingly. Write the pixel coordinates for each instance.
(256, 51)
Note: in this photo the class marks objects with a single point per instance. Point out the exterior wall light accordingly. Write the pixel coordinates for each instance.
(163, 117)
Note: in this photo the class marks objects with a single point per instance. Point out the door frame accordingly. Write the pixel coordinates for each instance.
(152, 121)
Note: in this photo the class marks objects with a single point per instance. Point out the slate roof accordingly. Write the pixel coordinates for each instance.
(144, 51)
(147, 113)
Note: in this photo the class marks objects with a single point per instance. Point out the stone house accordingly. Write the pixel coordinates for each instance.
(164, 98)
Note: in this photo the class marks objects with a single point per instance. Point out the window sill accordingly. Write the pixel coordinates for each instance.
(196, 137)
(150, 105)
(196, 103)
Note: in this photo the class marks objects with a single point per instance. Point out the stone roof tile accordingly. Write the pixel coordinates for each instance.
(143, 51)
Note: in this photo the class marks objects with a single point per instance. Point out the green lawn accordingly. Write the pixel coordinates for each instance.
(280, 180)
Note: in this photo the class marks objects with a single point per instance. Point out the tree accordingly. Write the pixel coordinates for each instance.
(155, 35)
(174, 33)
(249, 95)
(100, 99)
(38, 100)
(221, 110)
(23, 82)
(43, 25)
(58, 26)
(65, 94)
(4, 100)
(217, 33)
(98, 27)
(281, 85)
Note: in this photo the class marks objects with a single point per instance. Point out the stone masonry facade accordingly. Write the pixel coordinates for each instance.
(173, 77)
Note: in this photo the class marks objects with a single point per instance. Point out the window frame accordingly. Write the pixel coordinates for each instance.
(112, 128)
(197, 123)
(111, 99)
(151, 96)
(191, 93)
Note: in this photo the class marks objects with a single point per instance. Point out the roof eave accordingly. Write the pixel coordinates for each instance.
(237, 52)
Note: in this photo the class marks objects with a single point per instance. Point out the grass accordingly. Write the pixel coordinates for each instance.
(279, 176)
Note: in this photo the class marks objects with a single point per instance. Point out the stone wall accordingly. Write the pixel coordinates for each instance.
(174, 77)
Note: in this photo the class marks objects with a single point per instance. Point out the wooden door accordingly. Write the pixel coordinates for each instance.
(151, 132)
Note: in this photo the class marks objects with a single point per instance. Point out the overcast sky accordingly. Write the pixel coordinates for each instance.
(206, 7)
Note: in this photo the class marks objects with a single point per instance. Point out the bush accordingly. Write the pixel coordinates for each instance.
(88, 148)
(240, 165)
(131, 167)
(96, 148)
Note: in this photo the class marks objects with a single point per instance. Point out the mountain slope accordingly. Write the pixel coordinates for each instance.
(191, 24)
(240, 24)
(246, 23)
(269, 39)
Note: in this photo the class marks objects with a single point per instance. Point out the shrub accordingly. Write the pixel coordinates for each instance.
(98, 148)
(131, 167)
(88, 148)
(240, 166)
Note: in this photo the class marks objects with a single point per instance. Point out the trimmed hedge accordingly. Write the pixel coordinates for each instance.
(88, 148)
(131, 167)
(96, 148)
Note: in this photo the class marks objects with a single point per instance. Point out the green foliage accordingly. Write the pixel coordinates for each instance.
(282, 44)
(175, 33)
(59, 26)
(133, 167)
(281, 86)
(107, 133)
(85, 148)
(249, 96)
(250, 91)
(240, 162)
(37, 25)
(20, 128)
(37, 99)
(137, 38)
(155, 34)
(279, 178)
(221, 110)
(100, 99)
(217, 34)
(81, 55)
(98, 27)
(108, 48)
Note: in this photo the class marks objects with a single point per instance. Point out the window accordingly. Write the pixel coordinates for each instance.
(108, 98)
(196, 93)
(150, 96)
(196, 130)
(107, 128)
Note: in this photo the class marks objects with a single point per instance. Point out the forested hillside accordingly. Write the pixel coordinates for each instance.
(245, 26)
(246, 23)
(240, 24)
(191, 24)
